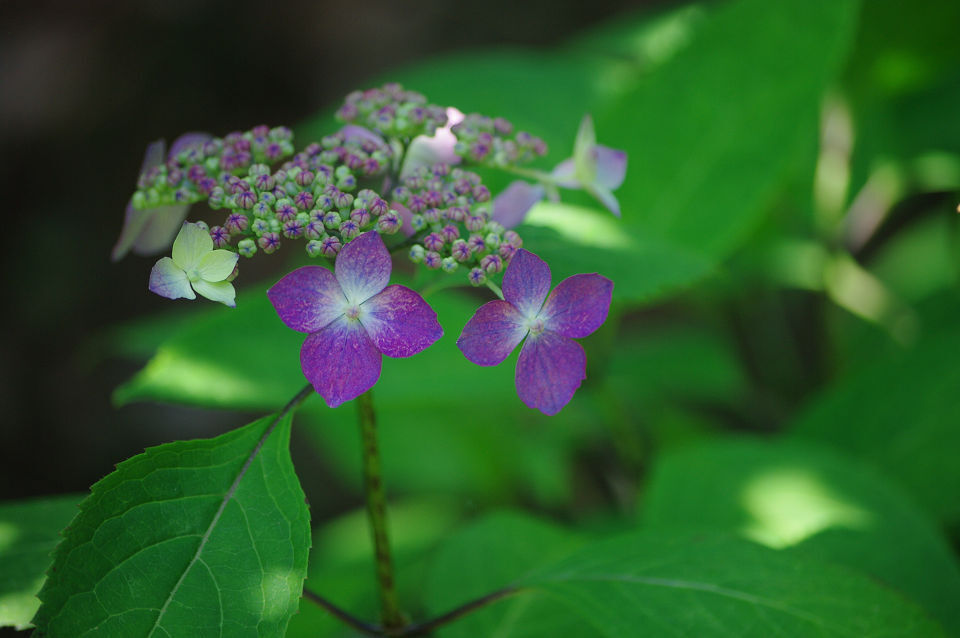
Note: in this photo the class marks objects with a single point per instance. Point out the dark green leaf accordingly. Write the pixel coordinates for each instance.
(29, 530)
(814, 502)
(648, 584)
(713, 132)
(901, 414)
(194, 538)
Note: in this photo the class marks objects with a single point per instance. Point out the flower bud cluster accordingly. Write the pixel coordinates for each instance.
(192, 174)
(392, 111)
(493, 142)
(451, 214)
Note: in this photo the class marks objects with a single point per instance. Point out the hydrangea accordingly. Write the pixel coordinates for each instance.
(551, 365)
(195, 267)
(149, 231)
(353, 317)
(597, 169)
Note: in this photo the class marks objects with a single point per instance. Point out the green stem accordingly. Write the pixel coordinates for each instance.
(377, 513)
(495, 288)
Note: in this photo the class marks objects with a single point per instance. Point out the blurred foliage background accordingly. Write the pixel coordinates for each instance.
(780, 360)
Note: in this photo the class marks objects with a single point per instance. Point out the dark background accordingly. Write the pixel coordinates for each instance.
(84, 86)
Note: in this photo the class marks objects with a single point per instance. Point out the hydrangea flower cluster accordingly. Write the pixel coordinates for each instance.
(399, 166)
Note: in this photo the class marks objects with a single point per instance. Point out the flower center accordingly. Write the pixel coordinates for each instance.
(352, 311)
(535, 326)
(193, 275)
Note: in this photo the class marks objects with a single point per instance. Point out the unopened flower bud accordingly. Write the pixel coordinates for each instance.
(475, 222)
(349, 229)
(332, 219)
(330, 247)
(261, 209)
(432, 260)
(491, 264)
(513, 238)
(450, 233)
(417, 253)
(268, 198)
(303, 200)
(269, 242)
(460, 250)
(314, 248)
(304, 178)
(314, 229)
(343, 200)
(247, 247)
(433, 241)
(449, 264)
(476, 243)
(377, 206)
(507, 251)
(216, 198)
(293, 229)
(492, 240)
(431, 215)
(245, 199)
(361, 216)
(220, 236)
(389, 223)
(477, 277)
(264, 182)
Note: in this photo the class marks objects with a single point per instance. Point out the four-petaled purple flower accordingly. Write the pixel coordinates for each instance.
(551, 364)
(352, 316)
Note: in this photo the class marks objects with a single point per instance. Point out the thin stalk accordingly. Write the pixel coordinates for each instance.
(340, 614)
(377, 513)
(429, 626)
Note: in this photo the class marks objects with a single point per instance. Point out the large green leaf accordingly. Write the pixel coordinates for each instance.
(714, 132)
(648, 584)
(902, 413)
(194, 538)
(29, 530)
(487, 555)
(814, 502)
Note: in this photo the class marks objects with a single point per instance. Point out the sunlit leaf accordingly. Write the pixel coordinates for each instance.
(29, 530)
(813, 503)
(194, 538)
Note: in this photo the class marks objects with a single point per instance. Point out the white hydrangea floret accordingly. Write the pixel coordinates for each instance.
(195, 266)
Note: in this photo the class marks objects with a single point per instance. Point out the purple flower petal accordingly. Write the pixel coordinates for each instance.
(400, 322)
(340, 361)
(526, 282)
(188, 141)
(160, 227)
(611, 166)
(167, 280)
(578, 305)
(308, 299)
(513, 204)
(436, 149)
(363, 267)
(154, 155)
(407, 228)
(549, 371)
(564, 174)
(492, 333)
(605, 197)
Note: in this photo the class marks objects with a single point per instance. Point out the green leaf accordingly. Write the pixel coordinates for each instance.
(900, 414)
(29, 530)
(648, 584)
(713, 133)
(573, 240)
(815, 503)
(193, 538)
(489, 554)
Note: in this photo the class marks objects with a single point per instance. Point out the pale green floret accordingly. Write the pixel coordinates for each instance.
(195, 267)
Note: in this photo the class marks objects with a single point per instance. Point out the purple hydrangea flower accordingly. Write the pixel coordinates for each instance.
(516, 200)
(551, 364)
(597, 169)
(352, 317)
(150, 231)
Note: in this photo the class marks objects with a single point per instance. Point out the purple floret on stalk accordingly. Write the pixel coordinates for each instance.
(352, 318)
(551, 365)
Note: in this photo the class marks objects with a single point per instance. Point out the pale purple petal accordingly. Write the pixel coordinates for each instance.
(188, 141)
(578, 305)
(160, 228)
(611, 166)
(605, 197)
(308, 299)
(360, 134)
(564, 174)
(549, 370)
(340, 361)
(133, 223)
(513, 204)
(400, 322)
(526, 282)
(153, 156)
(436, 149)
(492, 333)
(363, 267)
(222, 291)
(167, 280)
(407, 228)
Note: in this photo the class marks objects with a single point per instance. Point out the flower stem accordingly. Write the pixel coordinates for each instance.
(495, 288)
(377, 513)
